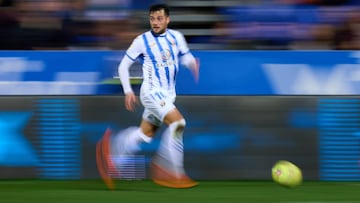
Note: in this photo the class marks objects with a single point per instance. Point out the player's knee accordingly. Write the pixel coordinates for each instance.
(178, 126)
(180, 123)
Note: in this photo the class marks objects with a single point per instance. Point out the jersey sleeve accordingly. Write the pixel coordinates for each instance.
(186, 57)
(135, 48)
(131, 54)
(183, 46)
(124, 74)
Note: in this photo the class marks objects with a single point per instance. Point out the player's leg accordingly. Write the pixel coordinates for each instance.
(127, 141)
(125, 147)
(167, 165)
(172, 141)
(120, 147)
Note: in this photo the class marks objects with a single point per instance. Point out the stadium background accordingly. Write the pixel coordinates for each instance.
(249, 109)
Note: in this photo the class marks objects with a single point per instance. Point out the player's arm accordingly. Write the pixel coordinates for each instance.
(124, 75)
(187, 59)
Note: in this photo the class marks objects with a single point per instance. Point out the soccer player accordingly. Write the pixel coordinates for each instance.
(162, 51)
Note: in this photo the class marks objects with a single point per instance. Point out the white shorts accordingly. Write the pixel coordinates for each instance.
(157, 104)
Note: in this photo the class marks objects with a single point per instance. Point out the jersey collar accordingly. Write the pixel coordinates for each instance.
(159, 35)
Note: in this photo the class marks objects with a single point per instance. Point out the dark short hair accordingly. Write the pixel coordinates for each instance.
(159, 7)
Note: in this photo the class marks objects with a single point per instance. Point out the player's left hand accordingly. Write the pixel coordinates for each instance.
(196, 69)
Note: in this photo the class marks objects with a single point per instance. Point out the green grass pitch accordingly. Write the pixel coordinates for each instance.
(89, 191)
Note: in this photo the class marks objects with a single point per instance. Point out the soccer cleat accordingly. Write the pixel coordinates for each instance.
(104, 161)
(165, 178)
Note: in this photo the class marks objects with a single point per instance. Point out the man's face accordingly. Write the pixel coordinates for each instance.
(159, 21)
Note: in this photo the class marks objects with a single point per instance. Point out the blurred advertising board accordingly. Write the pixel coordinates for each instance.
(226, 137)
(221, 73)
(54, 137)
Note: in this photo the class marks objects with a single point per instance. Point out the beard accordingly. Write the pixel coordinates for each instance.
(159, 31)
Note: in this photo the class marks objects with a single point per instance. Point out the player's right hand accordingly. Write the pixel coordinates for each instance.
(130, 101)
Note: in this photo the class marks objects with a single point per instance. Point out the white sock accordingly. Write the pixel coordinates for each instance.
(128, 141)
(172, 147)
(138, 137)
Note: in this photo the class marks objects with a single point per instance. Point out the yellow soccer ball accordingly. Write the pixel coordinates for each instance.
(286, 174)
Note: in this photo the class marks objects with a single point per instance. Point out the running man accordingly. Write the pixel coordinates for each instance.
(162, 51)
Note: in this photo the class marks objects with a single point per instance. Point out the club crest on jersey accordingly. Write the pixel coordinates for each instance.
(172, 42)
(165, 54)
(152, 44)
(162, 103)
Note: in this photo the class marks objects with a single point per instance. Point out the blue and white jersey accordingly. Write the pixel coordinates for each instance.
(160, 55)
